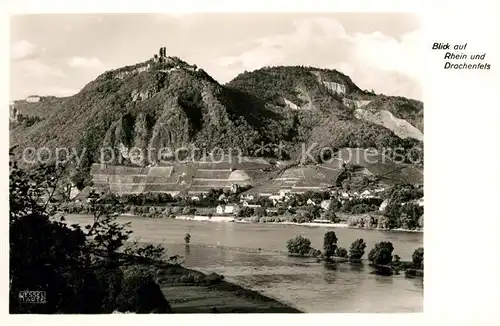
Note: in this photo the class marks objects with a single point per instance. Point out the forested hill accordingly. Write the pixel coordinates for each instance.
(170, 103)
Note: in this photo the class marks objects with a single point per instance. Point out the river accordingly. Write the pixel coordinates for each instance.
(232, 249)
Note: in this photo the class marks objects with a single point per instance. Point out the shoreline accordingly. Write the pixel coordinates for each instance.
(192, 291)
(230, 219)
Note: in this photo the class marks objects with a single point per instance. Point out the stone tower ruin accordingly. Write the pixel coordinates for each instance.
(161, 56)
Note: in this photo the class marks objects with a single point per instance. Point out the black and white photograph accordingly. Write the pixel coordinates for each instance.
(216, 163)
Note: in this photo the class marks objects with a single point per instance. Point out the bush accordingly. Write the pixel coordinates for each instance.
(418, 258)
(381, 254)
(299, 245)
(245, 212)
(330, 243)
(79, 268)
(141, 294)
(357, 250)
(410, 273)
(330, 215)
(341, 252)
(260, 211)
(213, 278)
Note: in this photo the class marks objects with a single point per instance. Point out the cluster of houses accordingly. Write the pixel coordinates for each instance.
(285, 195)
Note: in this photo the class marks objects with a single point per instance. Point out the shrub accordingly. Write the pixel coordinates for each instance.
(357, 250)
(418, 258)
(341, 252)
(381, 254)
(299, 245)
(330, 243)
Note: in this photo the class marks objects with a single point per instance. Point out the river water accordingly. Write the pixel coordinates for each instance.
(232, 249)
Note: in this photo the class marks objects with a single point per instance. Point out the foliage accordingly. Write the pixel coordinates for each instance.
(330, 243)
(299, 245)
(330, 215)
(260, 211)
(245, 211)
(191, 106)
(304, 217)
(365, 221)
(418, 258)
(341, 252)
(140, 293)
(361, 205)
(187, 238)
(78, 268)
(357, 249)
(381, 254)
(27, 121)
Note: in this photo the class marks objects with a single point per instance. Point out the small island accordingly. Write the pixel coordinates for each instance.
(380, 257)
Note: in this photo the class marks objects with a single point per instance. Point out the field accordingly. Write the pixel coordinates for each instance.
(212, 174)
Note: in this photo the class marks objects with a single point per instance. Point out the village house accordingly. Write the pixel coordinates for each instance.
(247, 197)
(195, 198)
(246, 204)
(310, 202)
(325, 204)
(226, 209)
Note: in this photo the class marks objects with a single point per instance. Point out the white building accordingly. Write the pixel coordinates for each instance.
(246, 204)
(195, 198)
(226, 209)
(33, 99)
(325, 204)
(230, 209)
(383, 205)
(310, 202)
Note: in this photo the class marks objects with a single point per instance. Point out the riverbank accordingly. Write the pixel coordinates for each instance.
(231, 219)
(191, 291)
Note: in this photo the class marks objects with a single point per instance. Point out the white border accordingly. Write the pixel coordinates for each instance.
(461, 179)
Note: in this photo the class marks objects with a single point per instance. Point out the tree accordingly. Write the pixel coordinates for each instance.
(418, 258)
(357, 250)
(246, 211)
(341, 252)
(330, 243)
(330, 216)
(188, 210)
(315, 211)
(79, 269)
(304, 216)
(299, 245)
(187, 238)
(381, 254)
(260, 211)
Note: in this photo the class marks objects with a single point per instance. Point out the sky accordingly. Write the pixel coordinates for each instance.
(58, 54)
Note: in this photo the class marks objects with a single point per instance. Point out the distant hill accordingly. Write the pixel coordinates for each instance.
(166, 102)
